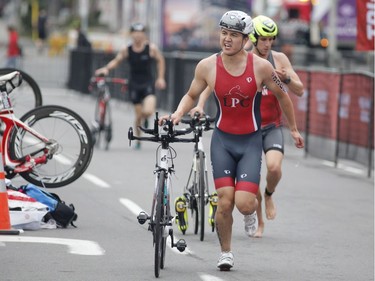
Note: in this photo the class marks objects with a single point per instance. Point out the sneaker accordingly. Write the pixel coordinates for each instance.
(181, 213)
(213, 206)
(251, 224)
(226, 261)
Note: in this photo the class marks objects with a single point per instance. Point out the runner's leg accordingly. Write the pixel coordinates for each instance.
(273, 161)
(260, 230)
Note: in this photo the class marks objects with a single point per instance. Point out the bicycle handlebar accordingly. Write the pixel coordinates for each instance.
(167, 133)
(199, 122)
(95, 80)
(115, 80)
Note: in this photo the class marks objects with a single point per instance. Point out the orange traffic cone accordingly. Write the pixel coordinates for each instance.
(5, 227)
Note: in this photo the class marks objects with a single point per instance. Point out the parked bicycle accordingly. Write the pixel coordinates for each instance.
(196, 191)
(102, 124)
(25, 97)
(160, 220)
(49, 146)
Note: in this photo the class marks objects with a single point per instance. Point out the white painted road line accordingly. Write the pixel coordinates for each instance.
(344, 167)
(135, 209)
(131, 206)
(75, 246)
(206, 277)
(95, 180)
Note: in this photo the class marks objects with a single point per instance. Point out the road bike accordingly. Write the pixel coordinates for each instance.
(196, 193)
(25, 97)
(48, 146)
(160, 220)
(102, 124)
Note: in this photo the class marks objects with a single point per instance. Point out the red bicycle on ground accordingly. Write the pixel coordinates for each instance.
(48, 146)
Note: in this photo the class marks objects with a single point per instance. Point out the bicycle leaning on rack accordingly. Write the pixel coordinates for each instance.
(48, 146)
(102, 124)
(196, 191)
(160, 219)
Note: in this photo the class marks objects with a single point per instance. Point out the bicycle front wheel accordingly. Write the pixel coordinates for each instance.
(201, 192)
(26, 96)
(74, 145)
(159, 242)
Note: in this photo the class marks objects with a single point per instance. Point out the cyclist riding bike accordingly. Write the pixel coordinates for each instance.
(140, 54)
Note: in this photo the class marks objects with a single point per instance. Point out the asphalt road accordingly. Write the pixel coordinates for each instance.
(324, 229)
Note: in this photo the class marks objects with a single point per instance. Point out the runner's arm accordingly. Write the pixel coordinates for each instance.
(273, 83)
(201, 102)
(287, 74)
(123, 54)
(160, 82)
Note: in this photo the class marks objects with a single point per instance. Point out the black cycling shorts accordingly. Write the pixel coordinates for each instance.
(236, 160)
(138, 92)
(273, 138)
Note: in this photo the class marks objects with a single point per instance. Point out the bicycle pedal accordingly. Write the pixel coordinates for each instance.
(180, 204)
(181, 245)
(142, 217)
(214, 199)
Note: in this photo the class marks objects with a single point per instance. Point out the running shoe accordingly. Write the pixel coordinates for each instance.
(226, 261)
(251, 224)
(181, 213)
(212, 210)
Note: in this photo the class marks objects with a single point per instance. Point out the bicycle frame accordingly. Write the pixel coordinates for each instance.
(24, 164)
(160, 220)
(7, 117)
(163, 164)
(31, 154)
(196, 190)
(103, 116)
(198, 147)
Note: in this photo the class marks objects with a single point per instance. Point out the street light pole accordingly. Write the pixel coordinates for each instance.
(332, 37)
(84, 14)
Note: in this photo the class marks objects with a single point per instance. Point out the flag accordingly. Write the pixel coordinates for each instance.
(365, 25)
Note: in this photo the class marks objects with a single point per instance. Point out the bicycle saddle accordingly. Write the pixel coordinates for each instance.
(10, 81)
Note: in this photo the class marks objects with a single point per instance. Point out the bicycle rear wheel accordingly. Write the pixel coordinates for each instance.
(159, 242)
(74, 151)
(201, 192)
(25, 97)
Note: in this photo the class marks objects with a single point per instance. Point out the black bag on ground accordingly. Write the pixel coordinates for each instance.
(62, 213)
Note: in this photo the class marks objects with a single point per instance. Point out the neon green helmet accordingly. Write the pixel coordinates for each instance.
(263, 26)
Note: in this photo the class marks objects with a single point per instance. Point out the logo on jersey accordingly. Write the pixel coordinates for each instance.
(249, 79)
(236, 98)
(265, 91)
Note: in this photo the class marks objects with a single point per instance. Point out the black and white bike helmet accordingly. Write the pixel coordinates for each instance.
(237, 21)
(137, 27)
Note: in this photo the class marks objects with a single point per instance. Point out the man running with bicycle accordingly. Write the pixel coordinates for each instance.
(263, 37)
(140, 55)
(237, 78)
